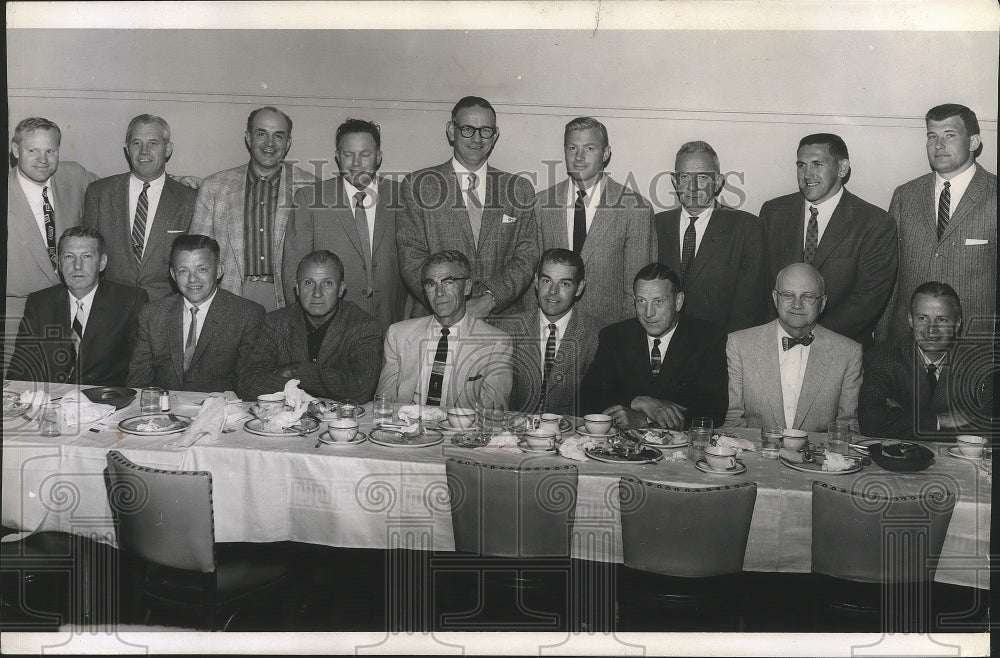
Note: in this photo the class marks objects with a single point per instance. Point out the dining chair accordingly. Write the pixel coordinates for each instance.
(165, 522)
(874, 556)
(512, 528)
(683, 550)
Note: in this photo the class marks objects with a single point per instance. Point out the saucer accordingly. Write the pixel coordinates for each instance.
(703, 466)
(955, 452)
(329, 440)
(523, 445)
(582, 431)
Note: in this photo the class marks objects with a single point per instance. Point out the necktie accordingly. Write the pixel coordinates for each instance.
(434, 393)
(655, 358)
(687, 251)
(49, 217)
(139, 225)
(192, 339)
(475, 207)
(550, 359)
(812, 236)
(931, 379)
(361, 223)
(944, 209)
(788, 343)
(77, 328)
(579, 221)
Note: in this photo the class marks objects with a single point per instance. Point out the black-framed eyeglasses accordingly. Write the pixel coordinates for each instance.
(486, 132)
(447, 283)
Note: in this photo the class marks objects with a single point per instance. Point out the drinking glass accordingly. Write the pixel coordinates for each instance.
(701, 432)
(48, 418)
(149, 400)
(381, 409)
(486, 417)
(770, 440)
(517, 424)
(838, 436)
(347, 409)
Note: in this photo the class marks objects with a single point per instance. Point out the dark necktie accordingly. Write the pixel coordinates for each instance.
(361, 223)
(550, 359)
(139, 225)
(49, 217)
(812, 236)
(687, 251)
(788, 343)
(437, 370)
(944, 209)
(475, 207)
(579, 221)
(931, 380)
(655, 358)
(192, 339)
(77, 329)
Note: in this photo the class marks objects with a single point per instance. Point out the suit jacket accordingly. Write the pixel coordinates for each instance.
(829, 387)
(219, 213)
(620, 242)
(692, 372)
(45, 344)
(327, 222)
(434, 218)
(857, 257)
(224, 344)
(481, 364)
(726, 285)
(28, 265)
(576, 352)
(965, 257)
(108, 211)
(896, 401)
(347, 365)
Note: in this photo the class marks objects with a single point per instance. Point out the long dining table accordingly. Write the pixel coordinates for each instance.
(364, 495)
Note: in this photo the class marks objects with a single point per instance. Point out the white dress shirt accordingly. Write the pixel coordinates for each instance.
(369, 204)
(429, 349)
(825, 209)
(792, 364)
(959, 184)
(543, 331)
(590, 204)
(152, 198)
(84, 304)
(463, 180)
(700, 226)
(202, 314)
(664, 342)
(33, 192)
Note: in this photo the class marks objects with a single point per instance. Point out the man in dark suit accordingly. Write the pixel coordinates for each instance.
(142, 212)
(660, 366)
(197, 340)
(554, 343)
(331, 346)
(80, 331)
(851, 242)
(947, 223)
(353, 215)
(468, 206)
(610, 226)
(718, 251)
(928, 385)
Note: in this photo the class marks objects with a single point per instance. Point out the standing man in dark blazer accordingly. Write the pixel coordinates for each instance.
(468, 206)
(718, 251)
(947, 222)
(610, 226)
(142, 212)
(81, 331)
(354, 216)
(659, 366)
(200, 339)
(851, 242)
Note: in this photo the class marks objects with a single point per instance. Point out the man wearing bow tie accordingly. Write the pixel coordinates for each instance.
(792, 372)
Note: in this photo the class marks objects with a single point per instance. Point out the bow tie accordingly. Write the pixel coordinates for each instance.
(788, 343)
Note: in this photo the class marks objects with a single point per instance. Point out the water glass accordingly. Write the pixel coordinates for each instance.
(770, 442)
(381, 409)
(700, 432)
(347, 409)
(486, 414)
(149, 400)
(49, 416)
(838, 436)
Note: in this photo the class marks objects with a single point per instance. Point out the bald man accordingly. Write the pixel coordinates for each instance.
(792, 372)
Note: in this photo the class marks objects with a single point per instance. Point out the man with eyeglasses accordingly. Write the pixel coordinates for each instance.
(450, 358)
(659, 368)
(591, 214)
(792, 372)
(469, 206)
(327, 343)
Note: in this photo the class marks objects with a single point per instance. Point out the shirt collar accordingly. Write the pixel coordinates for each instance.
(156, 184)
(313, 328)
(371, 192)
(962, 180)
(781, 333)
(927, 359)
(461, 169)
(202, 307)
(829, 204)
(25, 181)
(88, 299)
(561, 324)
(665, 338)
(703, 214)
(273, 179)
(453, 329)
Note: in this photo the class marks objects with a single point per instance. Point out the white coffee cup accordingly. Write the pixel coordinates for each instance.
(540, 438)
(343, 429)
(460, 418)
(793, 439)
(547, 421)
(597, 423)
(969, 445)
(720, 458)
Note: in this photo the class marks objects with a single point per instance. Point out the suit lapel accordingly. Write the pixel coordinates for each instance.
(817, 367)
(236, 205)
(161, 221)
(715, 236)
(552, 218)
(603, 219)
(458, 210)
(25, 228)
(492, 206)
(343, 212)
(928, 206)
(383, 227)
(671, 248)
(212, 324)
(175, 336)
(792, 231)
(102, 308)
(120, 208)
(635, 356)
(975, 194)
(765, 370)
(836, 230)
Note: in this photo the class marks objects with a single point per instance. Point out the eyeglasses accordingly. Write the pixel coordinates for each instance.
(807, 299)
(486, 132)
(447, 283)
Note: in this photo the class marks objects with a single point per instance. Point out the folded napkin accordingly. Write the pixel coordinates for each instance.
(792, 455)
(502, 442)
(674, 456)
(207, 425)
(835, 461)
(79, 410)
(295, 396)
(724, 441)
(410, 412)
(573, 448)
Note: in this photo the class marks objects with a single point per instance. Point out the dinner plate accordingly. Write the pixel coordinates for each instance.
(702, 465)
(305, 424)
(955, 452)
(117, 395)
(468, 440)
(912, 458)
(328, 440)
(16, 410)
(391, 439)
(648, 455)
(169, 423)
(813, 467)
(332, 415)
(669, 435)
(523, 445)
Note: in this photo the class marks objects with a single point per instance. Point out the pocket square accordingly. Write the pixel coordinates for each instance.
(177, 231)
(475, 377)
(970, 242)
(507, 219)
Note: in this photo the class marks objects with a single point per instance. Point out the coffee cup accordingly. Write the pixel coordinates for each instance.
(720, 458)
(461, 419)
(343, 429)
(269, 404)
(539, 438)
(793, 439)
(969, 445)
(547, 422)
(597, 423)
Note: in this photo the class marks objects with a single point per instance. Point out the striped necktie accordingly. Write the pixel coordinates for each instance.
(655, 358)
(77, 329)
(549, 361)
(139, 225)
(192, 339)
(944, 209)
(475, 207)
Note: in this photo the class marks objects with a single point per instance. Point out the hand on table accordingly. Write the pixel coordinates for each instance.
(666, 414)
(624, 418)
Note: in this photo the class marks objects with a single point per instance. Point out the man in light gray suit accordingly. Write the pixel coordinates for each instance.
(610, 226)
(792, 372)
(947, 223)
(246, 209)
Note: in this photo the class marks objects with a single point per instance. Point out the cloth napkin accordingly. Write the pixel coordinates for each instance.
(295, 396)
(79, 410)
(674, 456)
(410, 412)
(573, 448)
(502, 442)
(724, 441)
(207, 425)
(836, 462)
(792, 455)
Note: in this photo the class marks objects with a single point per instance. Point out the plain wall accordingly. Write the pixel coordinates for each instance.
(752, 95)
